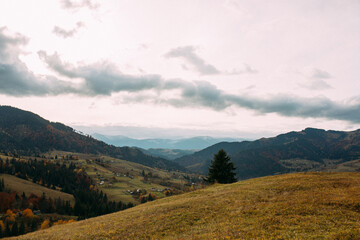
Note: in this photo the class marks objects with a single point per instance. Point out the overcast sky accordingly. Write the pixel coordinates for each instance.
(167, 68)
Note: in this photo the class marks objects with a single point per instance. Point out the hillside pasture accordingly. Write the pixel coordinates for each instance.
(20, 185)
(290, 206)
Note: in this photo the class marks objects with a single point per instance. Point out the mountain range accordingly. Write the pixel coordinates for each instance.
(194, 143)
(29, 134)
(307, 150)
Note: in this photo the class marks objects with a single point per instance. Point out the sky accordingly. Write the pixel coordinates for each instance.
(167, 68)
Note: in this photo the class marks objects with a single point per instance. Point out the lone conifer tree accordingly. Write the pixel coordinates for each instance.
(221, 169)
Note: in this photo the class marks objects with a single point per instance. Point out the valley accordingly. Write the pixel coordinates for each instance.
(64, 176)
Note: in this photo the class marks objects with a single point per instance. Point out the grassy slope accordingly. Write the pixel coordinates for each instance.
(292, 206)
(20, 185)
(119, 190)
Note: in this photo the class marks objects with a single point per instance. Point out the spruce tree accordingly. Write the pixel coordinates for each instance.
(15, 229)
(2, 185)
(22, 228)
(221, 169)
(7, 230)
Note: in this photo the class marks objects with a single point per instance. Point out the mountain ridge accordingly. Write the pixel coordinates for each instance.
(192, 143)
(267, 156)
(28, 133)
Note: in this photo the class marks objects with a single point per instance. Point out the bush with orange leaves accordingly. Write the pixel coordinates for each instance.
(45, 224)
(2, 226)
(28, 213)
(10, 216)
(59, 222)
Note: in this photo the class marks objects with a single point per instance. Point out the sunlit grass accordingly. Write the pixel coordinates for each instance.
(293, 206)
(23, 186)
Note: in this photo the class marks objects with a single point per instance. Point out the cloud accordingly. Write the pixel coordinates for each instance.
(246, 68)
(199, 64)
(316, 79)
(15, 78)
(101, 78)
(74, 5)
(316, 84)
(9, 45)
(318, 73)
(188, 53)
(196, 95)
(67, 33)
(292, 106)
(104, 79)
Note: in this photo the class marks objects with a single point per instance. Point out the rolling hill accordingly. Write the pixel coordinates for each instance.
(23, 186)
(307, 150)
(290, 206)
(169, 154)
(29, 134)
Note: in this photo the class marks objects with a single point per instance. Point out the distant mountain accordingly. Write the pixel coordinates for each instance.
(169, 154)
(311, 149)
(28, 133)
(156, 143)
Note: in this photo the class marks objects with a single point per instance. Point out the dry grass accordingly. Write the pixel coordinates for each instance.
(20, 185)
(291, 206)
(118, 191)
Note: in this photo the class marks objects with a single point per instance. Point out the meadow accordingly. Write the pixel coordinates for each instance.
(290, 206)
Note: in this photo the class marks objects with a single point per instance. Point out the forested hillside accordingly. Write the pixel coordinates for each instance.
(29, 134)
(310, 149)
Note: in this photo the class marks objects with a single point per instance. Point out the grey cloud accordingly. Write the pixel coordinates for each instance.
(306, 107)
(105, 80)
(245, 69)
(188, 53)
(101, 78)
(316, 84)
(67, 33)
(15, 78)
(16, 81)
(318, 73)
(70, 4)
(315, 79)
(10, 46)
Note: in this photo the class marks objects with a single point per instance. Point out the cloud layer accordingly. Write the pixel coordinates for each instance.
(104, 79)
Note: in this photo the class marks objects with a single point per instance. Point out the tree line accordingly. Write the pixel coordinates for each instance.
(89, 201)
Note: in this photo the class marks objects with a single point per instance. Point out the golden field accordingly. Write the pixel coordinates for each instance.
(23, 186)
(290, 206)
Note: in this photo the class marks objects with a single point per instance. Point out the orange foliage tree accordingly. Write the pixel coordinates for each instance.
(2, 226)
(45, 224)
(10, 216)
(28, 213)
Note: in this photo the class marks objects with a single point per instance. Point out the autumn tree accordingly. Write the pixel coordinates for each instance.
(45, 224)
(2, 228)
(28, 213)
(221, 169)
